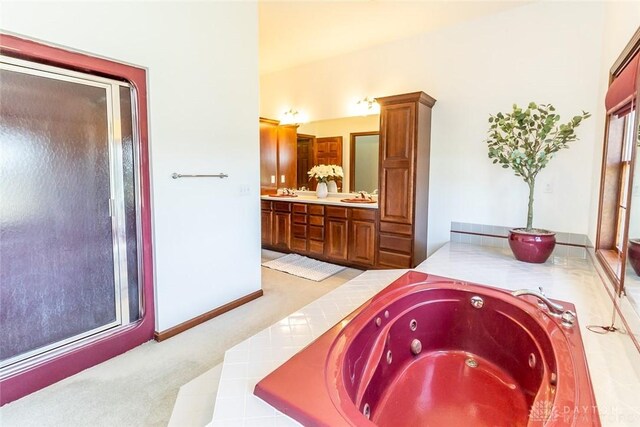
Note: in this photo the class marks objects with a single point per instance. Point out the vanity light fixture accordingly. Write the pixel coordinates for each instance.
(293, 117)
(368, 106)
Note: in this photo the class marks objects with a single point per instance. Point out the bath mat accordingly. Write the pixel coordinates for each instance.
(304, 267)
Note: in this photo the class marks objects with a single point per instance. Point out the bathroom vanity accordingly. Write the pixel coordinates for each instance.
(326, 229)
(389, 234)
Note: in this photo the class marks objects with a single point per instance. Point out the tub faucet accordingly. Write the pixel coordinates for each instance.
(552, 306)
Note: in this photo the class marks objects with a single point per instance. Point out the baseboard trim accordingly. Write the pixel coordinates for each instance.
(163, 335)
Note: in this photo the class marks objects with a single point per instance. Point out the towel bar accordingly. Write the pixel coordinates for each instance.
(218, 175)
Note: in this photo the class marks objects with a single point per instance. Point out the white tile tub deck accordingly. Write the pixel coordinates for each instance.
(614, 362)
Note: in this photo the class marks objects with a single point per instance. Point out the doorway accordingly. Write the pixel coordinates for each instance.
(305, 159)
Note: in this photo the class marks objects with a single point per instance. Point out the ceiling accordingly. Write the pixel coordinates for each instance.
(297, 32)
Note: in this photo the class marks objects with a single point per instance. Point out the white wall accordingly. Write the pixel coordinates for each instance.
(543, 52)
(202, 61)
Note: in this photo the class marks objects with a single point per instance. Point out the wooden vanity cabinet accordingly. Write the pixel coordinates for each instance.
(337, 237)
(405, 138)
(281, 226)
(278, 156)
(287, 156)
(351, 236)
(266, 220)
(299, 228)
(315, 230)
(342, 235)
(362, 237)
(268, 156)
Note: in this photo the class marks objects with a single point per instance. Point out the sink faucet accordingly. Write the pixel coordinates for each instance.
(552, 306)
(364, 195)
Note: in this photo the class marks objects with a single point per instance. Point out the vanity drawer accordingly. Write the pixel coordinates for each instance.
(316, 247)
(316, 233)
(265, 205)
(390, 259)
(299, 218)
(316, 220)
(315, 210)
(394, 227)
(336, 212)
(363, 214)
(299, 208)
(299, 230)
(396, 243)
(299, 244)
(282, 206)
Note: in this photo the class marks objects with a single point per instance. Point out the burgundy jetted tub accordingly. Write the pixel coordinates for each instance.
(431, 351)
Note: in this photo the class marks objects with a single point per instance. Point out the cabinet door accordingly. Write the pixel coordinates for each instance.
(397, 141)
(268, 154)
(362, 242)
(287, 156)
(266, 217)
(336, 239)
(281, 230)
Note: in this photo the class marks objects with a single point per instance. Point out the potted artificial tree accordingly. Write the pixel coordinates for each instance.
(525, 140)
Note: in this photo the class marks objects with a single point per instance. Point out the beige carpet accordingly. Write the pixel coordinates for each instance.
(139, 387)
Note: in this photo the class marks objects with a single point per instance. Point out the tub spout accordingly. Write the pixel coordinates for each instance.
(554, 308)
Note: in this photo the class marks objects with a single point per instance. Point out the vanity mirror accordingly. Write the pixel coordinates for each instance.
(351, 142)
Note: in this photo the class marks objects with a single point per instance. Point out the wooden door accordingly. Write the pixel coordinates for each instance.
(287, 156)
(305, 160)
(328, 151)
(268, 155)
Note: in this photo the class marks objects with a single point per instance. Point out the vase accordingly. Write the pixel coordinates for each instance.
(332, 186)
(531, 246)
(321, 190)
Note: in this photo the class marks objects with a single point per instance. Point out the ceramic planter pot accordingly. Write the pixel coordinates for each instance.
(633, 249)
(534, 247)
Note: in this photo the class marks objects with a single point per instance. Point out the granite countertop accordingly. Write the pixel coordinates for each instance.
(614, 361)
(334, 199)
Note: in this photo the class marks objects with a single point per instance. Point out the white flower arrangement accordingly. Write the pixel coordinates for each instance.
(324, 173)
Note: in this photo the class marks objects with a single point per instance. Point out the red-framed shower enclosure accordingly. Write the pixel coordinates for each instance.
(140, 331)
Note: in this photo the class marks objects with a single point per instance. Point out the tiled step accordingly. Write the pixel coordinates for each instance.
(196, 400)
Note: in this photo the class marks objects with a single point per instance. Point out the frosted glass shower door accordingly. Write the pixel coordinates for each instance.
(63, 254)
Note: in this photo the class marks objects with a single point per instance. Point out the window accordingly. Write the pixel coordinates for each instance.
(618, 163)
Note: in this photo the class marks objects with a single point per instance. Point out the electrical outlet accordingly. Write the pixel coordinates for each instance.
(245, 190)
(548, 188)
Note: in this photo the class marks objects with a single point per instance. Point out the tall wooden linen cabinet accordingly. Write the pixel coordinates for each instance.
(405, 139)
(278, 156)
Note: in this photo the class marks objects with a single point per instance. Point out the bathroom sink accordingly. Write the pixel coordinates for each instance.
(357, 200)
(283, 195)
